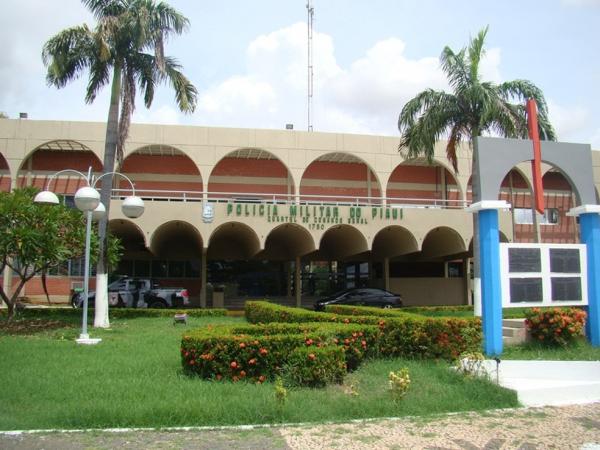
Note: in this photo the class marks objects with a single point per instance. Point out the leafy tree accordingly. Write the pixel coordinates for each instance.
(3, 115)
(126, 49)
(474, 107)
(35, 238)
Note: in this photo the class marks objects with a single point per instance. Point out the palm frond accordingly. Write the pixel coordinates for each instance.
(476, 52)
(455, 68)
(147, 75)
(104, 8)
(186, 93)
(99, 77)
(420, 137)
(68, 54)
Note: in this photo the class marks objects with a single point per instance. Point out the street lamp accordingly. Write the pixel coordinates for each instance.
(87, 200)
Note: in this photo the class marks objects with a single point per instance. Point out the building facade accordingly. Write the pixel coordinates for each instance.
(281, 214)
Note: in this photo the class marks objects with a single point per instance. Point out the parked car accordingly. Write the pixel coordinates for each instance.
(361, 297)
(138, 293)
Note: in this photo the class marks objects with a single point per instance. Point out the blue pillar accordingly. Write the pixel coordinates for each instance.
(590, 236)
(491, 298)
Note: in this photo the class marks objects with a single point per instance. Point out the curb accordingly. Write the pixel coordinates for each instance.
(261, 426)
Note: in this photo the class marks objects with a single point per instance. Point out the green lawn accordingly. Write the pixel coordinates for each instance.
(580, 350)
(133, 379)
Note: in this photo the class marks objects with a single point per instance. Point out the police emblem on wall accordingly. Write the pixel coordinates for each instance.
(208, 213)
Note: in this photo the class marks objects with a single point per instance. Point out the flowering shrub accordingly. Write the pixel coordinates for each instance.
(258, 353)
(315, 367)
(399, 383)
(401, 334)
(556, 326)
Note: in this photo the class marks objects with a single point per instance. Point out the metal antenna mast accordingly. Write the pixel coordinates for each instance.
(311, 11)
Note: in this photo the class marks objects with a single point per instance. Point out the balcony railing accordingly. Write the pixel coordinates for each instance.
(156, 195)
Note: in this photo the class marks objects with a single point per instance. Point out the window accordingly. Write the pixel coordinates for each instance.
(524, 216)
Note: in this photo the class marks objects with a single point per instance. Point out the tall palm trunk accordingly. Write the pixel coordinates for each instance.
(101, 303)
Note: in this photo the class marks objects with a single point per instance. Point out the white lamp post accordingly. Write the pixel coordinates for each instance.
(87, 199)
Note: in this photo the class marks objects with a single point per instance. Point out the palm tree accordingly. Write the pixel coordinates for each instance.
(473, 108)
(126, 49)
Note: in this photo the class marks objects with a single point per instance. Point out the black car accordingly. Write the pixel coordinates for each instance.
(361, 297)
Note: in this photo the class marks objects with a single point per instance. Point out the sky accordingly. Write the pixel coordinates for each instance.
(248, 60)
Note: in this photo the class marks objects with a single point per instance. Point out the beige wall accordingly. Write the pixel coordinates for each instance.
(440, 291)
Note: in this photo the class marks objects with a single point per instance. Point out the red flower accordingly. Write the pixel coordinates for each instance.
(309, 342)
(252, 361)
(262, 378)
(233, 364)
(192, 362)
(312, 356)
(242, 373)
(242, 345)
(263, 351)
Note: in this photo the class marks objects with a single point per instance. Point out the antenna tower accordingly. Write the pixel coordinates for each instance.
(311, 11)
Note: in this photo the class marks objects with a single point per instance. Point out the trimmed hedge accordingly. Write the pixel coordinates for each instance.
(315, 367)
(346, 310)
(120, 313)
(261, 352)
(402, 334)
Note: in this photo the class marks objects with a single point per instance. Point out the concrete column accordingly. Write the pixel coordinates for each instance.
(288, 277)
(467, 281)
(589, 221)
(489, 259)
(7, 273)
(203, 290)
(369, 183)
(386, 274)
(445, 269)
(491, 298)
(537, 235)
(512, 202)
(444, 186)
(298, 282)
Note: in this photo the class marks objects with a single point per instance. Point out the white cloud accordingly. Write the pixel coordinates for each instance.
(366, 97)
(570, 122)
(163, 114)
(489, 67)
(24, 28)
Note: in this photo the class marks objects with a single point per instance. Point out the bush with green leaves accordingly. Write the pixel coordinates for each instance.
(35, 238)
(402, 334)
(315, 367)
(260, 352)
(556, 326)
